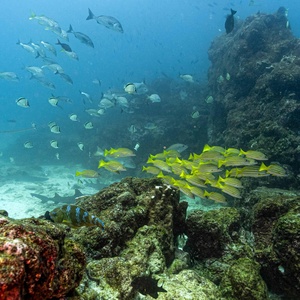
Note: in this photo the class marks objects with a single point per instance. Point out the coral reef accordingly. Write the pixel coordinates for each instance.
(258, 107)
(36, 261)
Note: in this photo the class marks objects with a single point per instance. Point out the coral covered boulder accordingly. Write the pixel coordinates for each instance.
(36, 261)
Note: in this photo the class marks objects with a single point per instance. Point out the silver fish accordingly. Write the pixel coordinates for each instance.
(80, 146)
(88, 125)
(28, 145)
(83, 38)
(49, 47)
(107, 21)
(23, 102)
(10, 76)
(54, 144)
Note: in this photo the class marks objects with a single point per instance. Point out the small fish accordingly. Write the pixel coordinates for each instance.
(54, 127)
(195, 114)
(215, 196)
(257, 155)
(73, 117)
(87, 173)
(72, 55)
(229, 23)
(57, 156)
(187, 78)
(136, 147)
(160, 164)
(88, 125)
(27, 47)
(80, 146)
(73, 216)
(154, 98)
(151, 170)
(87, 96)
(273, 169)
(66, 77)
(119, 152)
(54, 144)
(55, 68)
(53, 101)
(106, 103)
(66, 47)
(107, 21)
(28, 145)
(209, 99)
(231, 181)
(147, 286)
(130, 88)
(10, 76)
(213, 148)
(112, 166)
(99, 152)
(83, 38)
(230, 190)
(178, 147)
(23, 102)
(150, 126)
(49, 47)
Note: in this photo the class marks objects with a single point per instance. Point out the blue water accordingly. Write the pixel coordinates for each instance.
(160, 39)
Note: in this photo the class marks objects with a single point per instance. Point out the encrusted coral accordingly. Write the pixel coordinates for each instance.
(36, 262)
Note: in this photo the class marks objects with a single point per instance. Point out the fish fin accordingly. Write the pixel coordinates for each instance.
(70, 29)
(90, 16)
(233, 12)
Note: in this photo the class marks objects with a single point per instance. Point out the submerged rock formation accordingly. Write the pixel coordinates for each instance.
(36, 261)
(254, 79)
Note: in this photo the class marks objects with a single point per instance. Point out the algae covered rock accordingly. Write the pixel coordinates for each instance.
(36, 261)
(210, 232)
(276, 229)
(243, 281)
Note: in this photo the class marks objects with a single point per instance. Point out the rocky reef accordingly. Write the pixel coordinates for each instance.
(150, 250)
(37, 261)
(254, 79)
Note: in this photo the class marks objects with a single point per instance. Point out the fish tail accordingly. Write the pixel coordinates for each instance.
(90, 16)
(18, 42)
(58, 42)
(70, 29)
(233, 12)
(77, 173)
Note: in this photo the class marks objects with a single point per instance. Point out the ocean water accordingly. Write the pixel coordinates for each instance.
(161, 40)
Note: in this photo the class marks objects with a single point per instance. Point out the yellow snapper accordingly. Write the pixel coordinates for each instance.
(112, 166)
(120, 152)
(215, 196)
(165, 178)
(231, 181)
(213, 148)
(230, 190)
(254, 154)
(74, 216)
(274, 170)
(87, 173)
(193, 179)
(159, 164)
(151, 170)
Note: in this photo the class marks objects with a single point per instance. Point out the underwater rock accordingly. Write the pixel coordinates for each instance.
(37, 262)
(209, 232)
(243, 281)
(258, 107)
(276, 228)
(142, 219)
